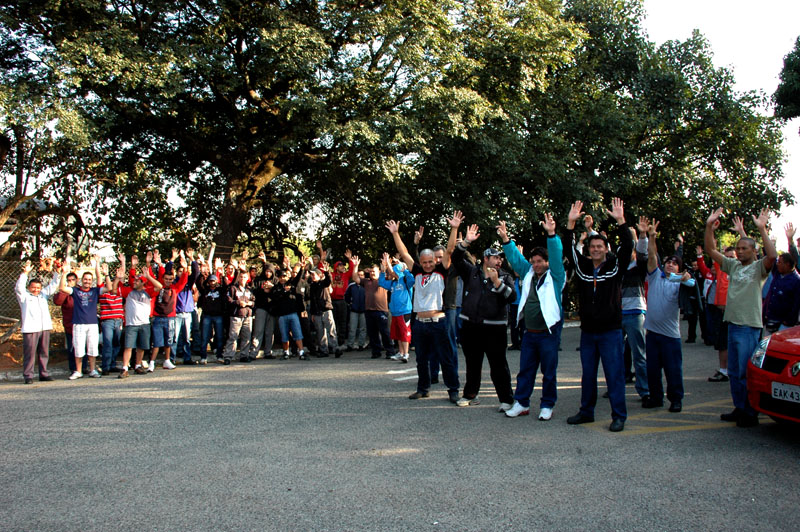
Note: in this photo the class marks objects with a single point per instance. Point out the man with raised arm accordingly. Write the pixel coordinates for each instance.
(430, 335)
(746, 274)
(164, 303)
(36, 322)
(85, 330)
(541, 314)
(484, 310)
(663, 342)
(599, 279)
(138, 304)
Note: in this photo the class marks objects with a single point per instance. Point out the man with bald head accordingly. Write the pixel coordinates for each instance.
(746, 275)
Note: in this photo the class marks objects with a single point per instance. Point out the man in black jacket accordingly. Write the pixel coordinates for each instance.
(488, 291)
(599, 279)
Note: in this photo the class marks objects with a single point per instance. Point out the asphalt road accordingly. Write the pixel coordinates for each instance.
(336, 445)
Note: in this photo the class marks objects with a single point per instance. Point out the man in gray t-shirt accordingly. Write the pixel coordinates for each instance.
(663, 340)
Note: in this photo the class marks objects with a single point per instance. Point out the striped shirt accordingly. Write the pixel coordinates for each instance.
(111, 307)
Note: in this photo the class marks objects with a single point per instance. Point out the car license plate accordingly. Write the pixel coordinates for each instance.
(786, 392)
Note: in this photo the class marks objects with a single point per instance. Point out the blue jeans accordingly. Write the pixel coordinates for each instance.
(431, 342)
(453, 324)
(536, 349)
(287, 323)
(112, 334)
(606, 346)
(664, 353)
(183, 334)
(742, 341)
(633, 326)
(164, 332)
(207, 323)
(378, 332)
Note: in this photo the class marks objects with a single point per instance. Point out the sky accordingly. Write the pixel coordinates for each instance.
(751, 38)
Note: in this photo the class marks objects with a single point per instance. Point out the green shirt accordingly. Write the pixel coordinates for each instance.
(534, 319)
(744, 292)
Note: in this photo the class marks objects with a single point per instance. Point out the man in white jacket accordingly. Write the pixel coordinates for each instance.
(36, 322)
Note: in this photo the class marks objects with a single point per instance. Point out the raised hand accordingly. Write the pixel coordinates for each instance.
(348, 254)
(418, 234)
(28, 267)
(175, 254)
(456, 220)
(549, 224)
(502, 231)
(575, 212)
(218, 264)
(641, 227)
(393, 226)
(319, 244)
(355, 260)
(134, 261)
(262, 256)
(652, 229)
(94, 261)
(738, 225)
(617, 210)
(699, 250)
(789, 230)
(762, 220)
(157, 256)
(588, 222)
(190, 254)
(472, 234)
(714, 217)
(148, 258)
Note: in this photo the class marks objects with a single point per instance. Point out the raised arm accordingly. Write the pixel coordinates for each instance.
(394, 229)
(790, 230)
(62, 284)
(761, 222)
(455, 223)
(652, 248)
(710, 242)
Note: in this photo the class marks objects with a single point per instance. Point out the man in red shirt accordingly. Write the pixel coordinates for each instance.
(340, 278)
(164, 314)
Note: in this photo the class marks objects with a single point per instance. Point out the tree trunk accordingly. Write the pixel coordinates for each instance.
(232, 220)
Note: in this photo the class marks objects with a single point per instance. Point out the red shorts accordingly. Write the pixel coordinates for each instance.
(401, 328)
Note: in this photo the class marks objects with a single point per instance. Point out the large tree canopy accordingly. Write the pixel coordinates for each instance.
(260, 114)
(219, 98)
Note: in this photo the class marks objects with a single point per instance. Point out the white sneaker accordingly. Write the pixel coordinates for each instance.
(396, 357)
(404, 358)
(518, 410)
(75, 375)
(504, 407)
(152, 367)
(463, 401)
(259, 355)
(145, 364)
(168, 364)
(95, 374)
(545, 413)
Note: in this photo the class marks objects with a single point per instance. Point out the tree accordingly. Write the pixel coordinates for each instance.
(661, 128)
(220, 98)
(787, 97)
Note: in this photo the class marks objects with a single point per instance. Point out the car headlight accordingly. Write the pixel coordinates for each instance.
(760, 353)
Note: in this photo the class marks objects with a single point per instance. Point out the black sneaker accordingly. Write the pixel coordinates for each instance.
(718, 377)
(675, 406)
(244, 360)
(190, 362)
(617, 425)
(28, 380)
(733, 416)
(418, 395)
(227, 362)
(579, 418)
(453, 396)
(649, 402)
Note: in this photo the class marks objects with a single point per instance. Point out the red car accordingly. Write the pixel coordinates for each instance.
(773, 376)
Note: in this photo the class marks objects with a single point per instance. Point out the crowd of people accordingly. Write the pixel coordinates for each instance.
(629, 300)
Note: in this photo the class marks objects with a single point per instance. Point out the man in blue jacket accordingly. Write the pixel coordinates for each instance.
(399, 282)
(541, 313)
